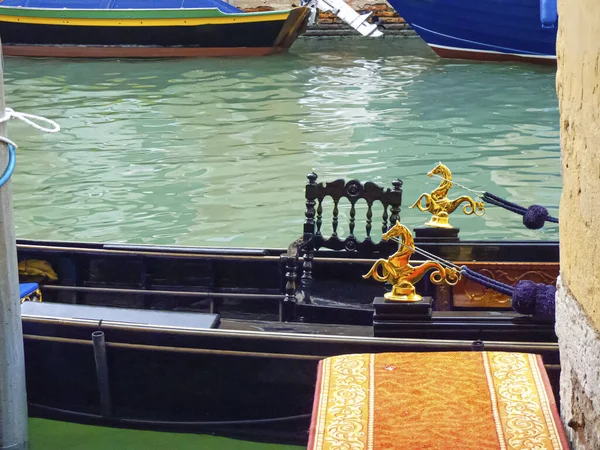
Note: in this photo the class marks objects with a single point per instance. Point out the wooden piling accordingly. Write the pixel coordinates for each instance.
(13, 398)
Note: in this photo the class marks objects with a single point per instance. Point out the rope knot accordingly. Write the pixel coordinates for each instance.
(535, 217)
(535, 299)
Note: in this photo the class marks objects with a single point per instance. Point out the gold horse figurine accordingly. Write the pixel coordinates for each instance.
(398, 271)
(438, 204)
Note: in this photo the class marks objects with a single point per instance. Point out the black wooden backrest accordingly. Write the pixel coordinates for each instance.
(353, 191)
(313, 238)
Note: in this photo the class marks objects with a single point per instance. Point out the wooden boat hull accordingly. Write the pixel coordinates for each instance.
(139, 34)
(253, 377)
(238, 383)
(477, 29)
(229, 280)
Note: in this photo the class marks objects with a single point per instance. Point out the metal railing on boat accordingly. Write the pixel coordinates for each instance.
(190, 294)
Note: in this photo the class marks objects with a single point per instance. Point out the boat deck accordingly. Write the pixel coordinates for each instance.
(296, 327)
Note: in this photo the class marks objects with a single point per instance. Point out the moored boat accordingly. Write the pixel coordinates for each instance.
(489, 30)
(227, 340)
(155, 29)
(120, 29)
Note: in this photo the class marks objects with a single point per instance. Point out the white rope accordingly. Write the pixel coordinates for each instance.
(29, 119)
(478, 193)
(8, 141)
(10, 113)
(439, 259)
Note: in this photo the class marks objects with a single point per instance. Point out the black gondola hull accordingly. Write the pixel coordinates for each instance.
(254, 376)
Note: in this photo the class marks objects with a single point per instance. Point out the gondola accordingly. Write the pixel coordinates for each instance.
(227, 340)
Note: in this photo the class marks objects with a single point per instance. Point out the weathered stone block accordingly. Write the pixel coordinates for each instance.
(579, 344)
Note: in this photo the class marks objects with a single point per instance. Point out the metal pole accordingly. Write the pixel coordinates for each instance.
(102, 372)
(13, 398)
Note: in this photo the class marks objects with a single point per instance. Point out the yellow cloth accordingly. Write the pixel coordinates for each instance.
(445, 401)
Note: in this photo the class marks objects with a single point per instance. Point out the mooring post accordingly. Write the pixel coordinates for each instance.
(102, 372)
(13, 398)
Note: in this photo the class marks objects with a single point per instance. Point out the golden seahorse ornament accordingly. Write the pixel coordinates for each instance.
(438, 203)
(398, 271)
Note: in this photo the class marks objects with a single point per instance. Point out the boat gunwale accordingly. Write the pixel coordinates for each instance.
(300, 337)
(266, 257)
(524, 55)
(156, 247)
(160, 248)
(154, 13)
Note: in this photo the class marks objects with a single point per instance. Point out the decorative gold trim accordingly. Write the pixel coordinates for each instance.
(523, 407)
(544, 402)
(494, 401)
(371, 401)
(345, 403)
(323, 404)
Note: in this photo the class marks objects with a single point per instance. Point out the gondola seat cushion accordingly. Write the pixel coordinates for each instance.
(26, 289)
(446, 400)
(139, 318)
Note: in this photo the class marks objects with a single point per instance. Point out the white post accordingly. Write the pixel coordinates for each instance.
(13, 398)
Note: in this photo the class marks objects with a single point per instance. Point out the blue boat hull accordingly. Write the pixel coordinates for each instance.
(484, 29)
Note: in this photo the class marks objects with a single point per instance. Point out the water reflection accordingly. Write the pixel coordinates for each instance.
(216, 151)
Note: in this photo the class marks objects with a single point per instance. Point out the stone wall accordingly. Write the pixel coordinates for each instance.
(580, 371)
(330, 26)
(286, 4)
(578, 89)
(381, 9)
(578, 291)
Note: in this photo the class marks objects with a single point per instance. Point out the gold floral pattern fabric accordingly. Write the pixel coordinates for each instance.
(343, 417)
(523, 408)
(450, 400)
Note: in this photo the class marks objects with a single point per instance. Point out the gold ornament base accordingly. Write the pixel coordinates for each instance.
(402, 298)
(404, 292)
(439, 222)
(437, 235)
(391, 317)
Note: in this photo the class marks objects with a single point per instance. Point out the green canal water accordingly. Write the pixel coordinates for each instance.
(215, 151)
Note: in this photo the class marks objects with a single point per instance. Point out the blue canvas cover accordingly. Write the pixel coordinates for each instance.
(27, 288)
(122, 4)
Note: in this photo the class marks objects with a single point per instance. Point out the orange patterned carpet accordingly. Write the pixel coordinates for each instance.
(418, 401)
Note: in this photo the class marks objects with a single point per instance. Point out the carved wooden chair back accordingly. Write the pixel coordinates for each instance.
(353, 191)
